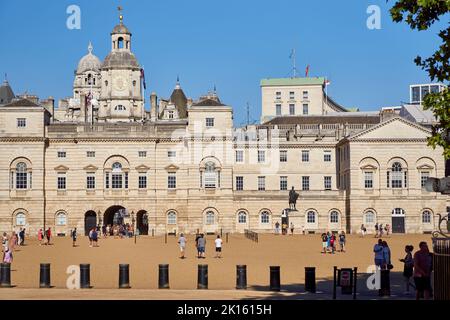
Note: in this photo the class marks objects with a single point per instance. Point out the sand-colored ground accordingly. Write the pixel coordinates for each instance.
(291, 253)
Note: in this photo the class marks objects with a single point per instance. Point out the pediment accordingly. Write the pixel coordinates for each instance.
(369, 167)
(90, 168)
(172, 167)
(142, 168)
(425, 167)
(61, 168)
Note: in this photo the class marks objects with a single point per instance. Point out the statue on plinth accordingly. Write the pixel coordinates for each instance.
(293, 196)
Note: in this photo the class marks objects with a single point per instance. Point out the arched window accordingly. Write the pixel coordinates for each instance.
(120, 43)
(210, 175)
(334, 217)
(61, 219)
(311, 217)
(397, 175)
(89, 80)
(21, 176)
(210, 218)
(242, 217)
(369, 217)
(172, 218)
(265, 217)
(426, 216)
(21, 219)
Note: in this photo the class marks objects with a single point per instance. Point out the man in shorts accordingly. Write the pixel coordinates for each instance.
(201, 244)
(182, 243)
(218, 243)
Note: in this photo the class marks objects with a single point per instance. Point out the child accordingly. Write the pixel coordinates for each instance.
(408, 268)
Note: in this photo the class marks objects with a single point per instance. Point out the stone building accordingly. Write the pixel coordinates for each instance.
(100, 158)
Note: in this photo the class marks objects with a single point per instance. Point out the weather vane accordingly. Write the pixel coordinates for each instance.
(120, 13)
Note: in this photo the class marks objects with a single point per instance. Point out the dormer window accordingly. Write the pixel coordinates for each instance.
(170, 114)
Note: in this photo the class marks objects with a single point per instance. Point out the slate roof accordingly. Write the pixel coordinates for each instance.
(6, 93)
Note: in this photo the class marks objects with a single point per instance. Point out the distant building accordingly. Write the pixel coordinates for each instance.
(419, 91)
(6, 93)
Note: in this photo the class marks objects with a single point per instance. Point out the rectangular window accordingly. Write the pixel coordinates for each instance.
(261, 183)
(305, 156)
(171, 114)
(142, 181)
(239, 183)
(283, 155)
(397, 179)
(368, 180)
(388, 179)
(278, 95)
(292, 109)
(292, 95)
(62, 154)
(424, 175)
(305, 95)
(305, 183)
(21, 180)
(116, 181)
(90, 181)
(327, 183)
(305, 109)
(107, 181)
(126, 180)
(209, 122)
(261, 156)
(171, 154)
(142, 154)
(90, 154)
(327, 156)
(283, 183)
(21, 123)
(61, 181)
(239, 156)
(172, 181)
(415, 94)
(278, 109)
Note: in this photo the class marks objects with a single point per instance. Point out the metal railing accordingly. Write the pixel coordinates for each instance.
(251, 235)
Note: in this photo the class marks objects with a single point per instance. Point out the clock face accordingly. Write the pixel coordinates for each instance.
(120, 83)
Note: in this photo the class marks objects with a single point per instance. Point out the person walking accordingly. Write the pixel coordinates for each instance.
(333, 243)
(8, 256)
(40, 236)
(380, 229)
(95, 237)
(376, 230)
(408, 268)
(48, 235)
(90, 237)
(388, 229)
(182, 243)
(292, 229)
(218, 242)
(378, 250)
(324, 242)
(22, 236)
(387, 265)
(342, 241)
(422, 271)
(363, 230)
(201, 244)
(5, 241)
(277, 228)
(74, 237)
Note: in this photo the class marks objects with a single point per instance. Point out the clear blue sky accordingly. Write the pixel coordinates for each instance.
(232, 44)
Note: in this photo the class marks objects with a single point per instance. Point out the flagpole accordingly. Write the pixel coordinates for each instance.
(143, 79)
(326, 93)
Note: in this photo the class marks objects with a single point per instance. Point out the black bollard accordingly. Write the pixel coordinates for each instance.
(163, 281)
(85, 276)
(124, 276)
(227, 237)
(241, 277)
(275, 278)
(202, 280)
(310, 279)
(153, 232)
(5, 275)
(44, 276)
(385, 284)
(165, 238)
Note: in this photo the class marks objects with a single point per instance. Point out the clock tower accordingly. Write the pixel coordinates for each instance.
(121, 98)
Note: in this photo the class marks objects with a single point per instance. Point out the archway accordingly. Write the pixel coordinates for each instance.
(90, 221)
(142, 222)
(114, 216)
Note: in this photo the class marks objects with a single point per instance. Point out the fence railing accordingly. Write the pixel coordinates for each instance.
(251, 235)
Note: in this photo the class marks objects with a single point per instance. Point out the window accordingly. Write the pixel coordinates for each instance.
(21, 219)
(327, 156)
(62, 154)
(369, 217)
(170, 114)
(368, 179)
(305, 109)
(283, 156)
(311, 217)
(426, 216)
(305, 95)
(278, 95)
(90, 181)
(415, 94)
(424, 175)
(327, 182)
(209, 122)
(239, 156)
(388, 179)
(142, 182)
(397, 175)
(61, 181)
(61, 219)
(283, 183)
(210, 175)
(292, 109)
(120, 108)
(107, 180)
(434, 89)
(90, 154)
(265, 217)
(210, 218)
(172, 180)
(261, 183)
(305, 183)
(398, 212)
(242, 217)
(21, 122)
(239, 183)
(334, 217)
(142, 154)
(117, 176)
(21, 176)
(172, 218)
(278, 109)
(261, 156)
(171, 154)
(305, 156)
(292, 95)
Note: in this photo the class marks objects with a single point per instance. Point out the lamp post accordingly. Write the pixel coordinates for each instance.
(133, 221)
(100, 221)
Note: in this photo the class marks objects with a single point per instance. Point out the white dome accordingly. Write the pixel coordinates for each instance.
(89, 62)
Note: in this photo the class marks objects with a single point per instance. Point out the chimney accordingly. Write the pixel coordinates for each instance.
(49, 104)
(83, 114)
(153, 106)
(387, 114)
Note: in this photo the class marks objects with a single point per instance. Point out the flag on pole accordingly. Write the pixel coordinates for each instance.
(307, 71)
(143, 79)
(327, 82)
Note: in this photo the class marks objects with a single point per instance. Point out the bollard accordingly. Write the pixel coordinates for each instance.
(44, 276)
(163, 281)
(85, 276)
(227, 237)
(124, 276)
(241, 277)
(5, 275)
(335, 269)
(385, 284)
(202, 280)
(165, 238)
(153, 232)
(275, 278)
(310, 279)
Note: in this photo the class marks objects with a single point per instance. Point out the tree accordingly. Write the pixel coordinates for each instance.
(421, 15)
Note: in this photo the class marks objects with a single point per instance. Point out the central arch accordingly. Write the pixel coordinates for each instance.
(114, 216)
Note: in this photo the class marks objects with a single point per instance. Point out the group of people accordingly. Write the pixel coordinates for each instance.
(45, 236)
(329, 242)
(284, 228)
(380, 230)
(121, 231)
(200, 245)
